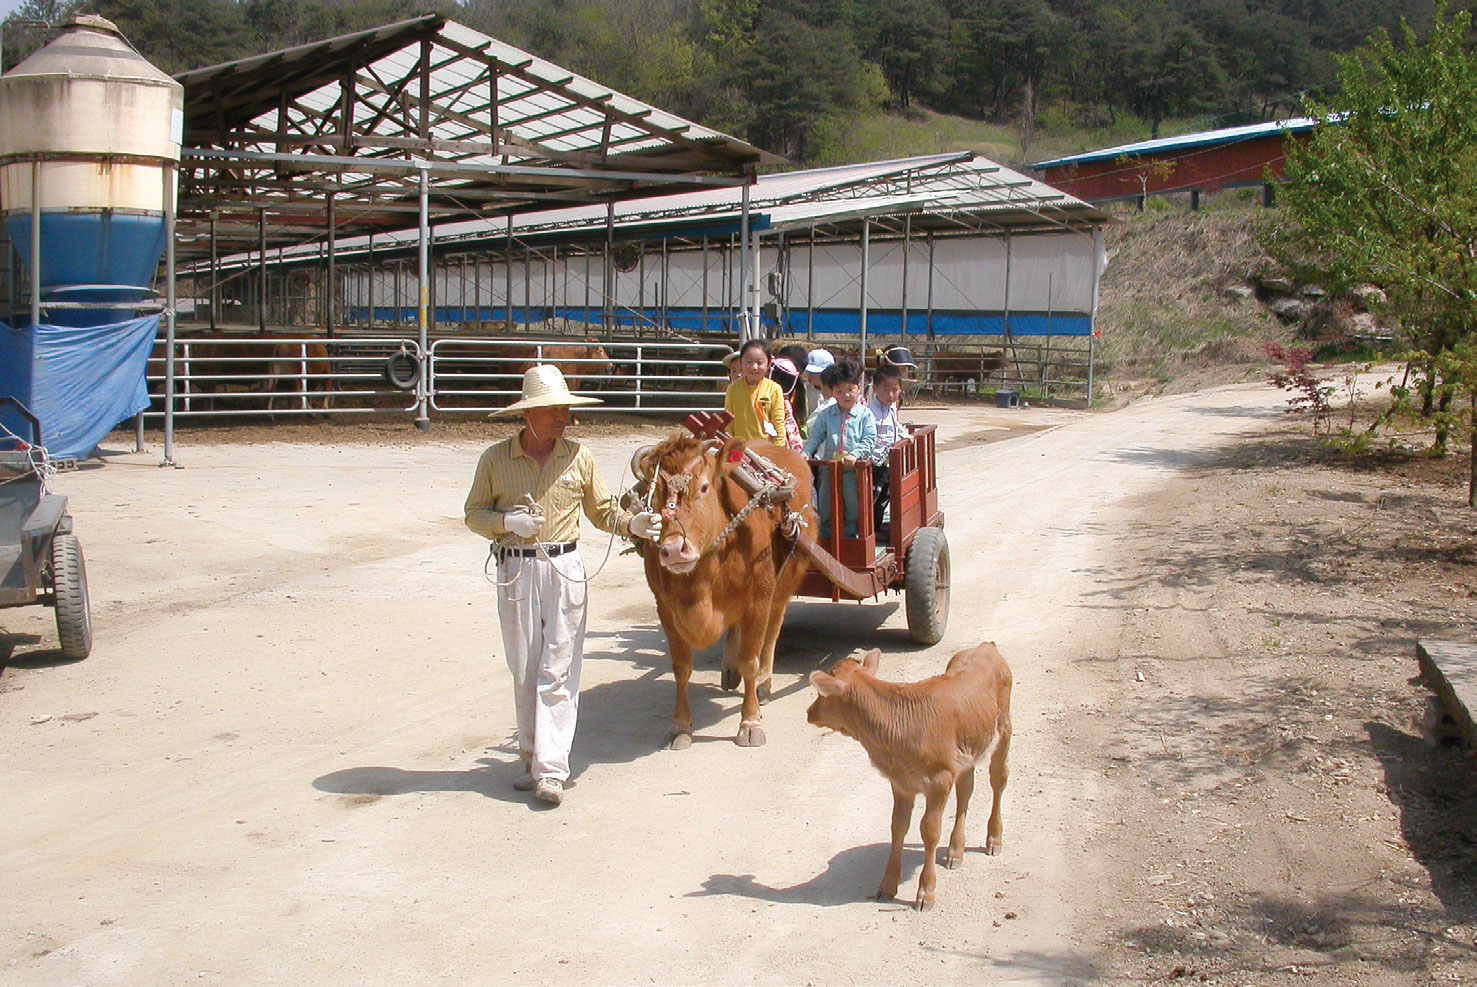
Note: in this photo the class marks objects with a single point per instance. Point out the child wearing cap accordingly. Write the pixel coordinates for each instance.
(817, 394)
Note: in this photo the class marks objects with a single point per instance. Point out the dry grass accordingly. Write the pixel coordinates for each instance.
(1164, 311)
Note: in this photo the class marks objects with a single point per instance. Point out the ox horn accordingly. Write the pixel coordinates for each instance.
(711, 446)
(636, 458)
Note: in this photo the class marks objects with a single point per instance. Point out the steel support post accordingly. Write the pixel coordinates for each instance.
(369, 286)
(215, 298)
(261, 271)
(170, 174)
(781, 297)
(745, 330)
(907, 240)
(929, 319)
(810, 288)
(423, 406)
(607, 303)
(866, 262)
(332, 306)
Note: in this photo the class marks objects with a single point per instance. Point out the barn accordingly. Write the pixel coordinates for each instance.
(1200, 163)
(935, 251)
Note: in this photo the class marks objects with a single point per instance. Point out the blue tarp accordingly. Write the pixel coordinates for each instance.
(80, 382)
(827, 321)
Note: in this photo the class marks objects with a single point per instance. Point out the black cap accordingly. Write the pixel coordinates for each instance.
(898, 356)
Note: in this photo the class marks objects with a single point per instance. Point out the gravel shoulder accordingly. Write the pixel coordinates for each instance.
(289, 754)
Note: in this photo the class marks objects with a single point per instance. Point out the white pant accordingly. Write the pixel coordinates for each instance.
(542, 614)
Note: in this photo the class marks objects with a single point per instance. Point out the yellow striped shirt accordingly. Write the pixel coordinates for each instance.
(564, 484)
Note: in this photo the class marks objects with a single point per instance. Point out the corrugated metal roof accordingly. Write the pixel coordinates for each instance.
(1204, 138)
(942, 190)
(537, 101)
(353, 117)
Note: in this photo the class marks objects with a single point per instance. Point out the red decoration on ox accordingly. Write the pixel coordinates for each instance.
(735, 456)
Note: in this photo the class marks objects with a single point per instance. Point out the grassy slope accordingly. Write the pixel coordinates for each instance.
(894, 134)
(1163, 310)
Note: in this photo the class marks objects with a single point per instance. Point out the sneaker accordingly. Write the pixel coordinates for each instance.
(550, 790)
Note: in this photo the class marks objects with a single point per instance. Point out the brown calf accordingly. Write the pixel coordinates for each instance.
(925, 737)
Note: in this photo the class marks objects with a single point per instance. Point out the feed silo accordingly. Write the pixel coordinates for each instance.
(87, 129)
(89, 135)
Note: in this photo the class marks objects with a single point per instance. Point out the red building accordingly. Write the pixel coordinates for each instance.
(1202, 162)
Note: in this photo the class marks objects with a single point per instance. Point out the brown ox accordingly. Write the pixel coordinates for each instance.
(584, 365)
(925, 737)
(300, 374)
(945, 367)
(708, 585)
(231, 368)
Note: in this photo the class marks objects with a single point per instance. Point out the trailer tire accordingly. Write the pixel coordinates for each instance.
(69, 587)
(926, 586)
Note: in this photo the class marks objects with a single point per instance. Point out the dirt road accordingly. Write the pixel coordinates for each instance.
(288, 756)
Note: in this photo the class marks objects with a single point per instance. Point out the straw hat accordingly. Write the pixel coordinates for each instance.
(544, 387)
(729, 357)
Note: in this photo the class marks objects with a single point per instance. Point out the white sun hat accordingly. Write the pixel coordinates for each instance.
(544, 387)
(818, 361)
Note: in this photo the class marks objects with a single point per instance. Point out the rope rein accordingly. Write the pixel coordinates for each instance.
(775, 480)
(499, 544)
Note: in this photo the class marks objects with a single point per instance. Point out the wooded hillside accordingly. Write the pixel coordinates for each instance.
(795, 76)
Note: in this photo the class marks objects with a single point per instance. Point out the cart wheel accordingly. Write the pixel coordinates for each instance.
(926, 584)
(69, 584)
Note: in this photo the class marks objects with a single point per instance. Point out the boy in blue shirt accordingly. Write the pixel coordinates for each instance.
(844, 431)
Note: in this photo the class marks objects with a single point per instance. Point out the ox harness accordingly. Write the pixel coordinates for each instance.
(766, 483)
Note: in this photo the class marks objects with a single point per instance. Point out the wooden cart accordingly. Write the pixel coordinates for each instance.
(909, 554)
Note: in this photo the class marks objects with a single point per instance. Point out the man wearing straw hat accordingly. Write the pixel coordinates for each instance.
(526, 497)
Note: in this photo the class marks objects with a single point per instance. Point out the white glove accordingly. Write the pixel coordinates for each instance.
(522, 522)
(648, 525)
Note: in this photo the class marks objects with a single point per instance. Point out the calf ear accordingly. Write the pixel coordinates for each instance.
(825, 684)
(870, 661)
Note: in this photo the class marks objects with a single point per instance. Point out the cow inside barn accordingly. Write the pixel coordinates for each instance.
(236, 371)
(724, 565)
(484, 365)
(945, 368)
(585, 365)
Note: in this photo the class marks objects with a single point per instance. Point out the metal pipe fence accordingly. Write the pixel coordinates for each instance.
(280, 376)
(233, 377)
(236, 376)
(483, 375)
